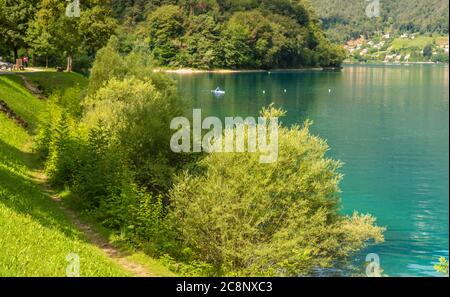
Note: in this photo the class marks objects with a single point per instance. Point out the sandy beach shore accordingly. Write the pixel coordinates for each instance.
(226, 71)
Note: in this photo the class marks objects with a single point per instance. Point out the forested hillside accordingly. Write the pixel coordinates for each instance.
(227, 33)
(231, 34)
(344, 19)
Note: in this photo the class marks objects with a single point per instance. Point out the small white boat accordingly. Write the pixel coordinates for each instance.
(218, 91)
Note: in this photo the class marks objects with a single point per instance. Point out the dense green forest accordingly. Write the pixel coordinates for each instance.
(40, 29)
(229, 34)
(207, 34)
(345, 19)
(234, 34)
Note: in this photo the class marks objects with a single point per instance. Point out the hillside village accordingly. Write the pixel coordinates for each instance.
(404, 48)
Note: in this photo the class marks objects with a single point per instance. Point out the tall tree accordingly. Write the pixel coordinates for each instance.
(165, 26)
(68, 34)
(40, 40)
(14, 19)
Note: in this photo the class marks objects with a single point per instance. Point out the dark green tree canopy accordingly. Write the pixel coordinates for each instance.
(233, 34)
(14, 20)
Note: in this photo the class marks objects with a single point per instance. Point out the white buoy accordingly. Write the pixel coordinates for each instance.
(285, 90)
(264, 91)
(329, 90)
(218, 91)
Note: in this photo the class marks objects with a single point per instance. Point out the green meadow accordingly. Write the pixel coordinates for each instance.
(36, 236)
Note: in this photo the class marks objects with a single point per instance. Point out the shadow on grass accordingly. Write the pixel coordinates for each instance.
(12, 157)
(20, 192)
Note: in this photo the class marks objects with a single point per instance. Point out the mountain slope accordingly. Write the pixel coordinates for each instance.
(344, 19)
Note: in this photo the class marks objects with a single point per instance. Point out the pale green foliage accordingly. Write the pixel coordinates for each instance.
(138, 116)
(248, 218)
(61, 101)
(442, 266)
(44, 136)
(109, 102)
(136, 105)
(108, 64)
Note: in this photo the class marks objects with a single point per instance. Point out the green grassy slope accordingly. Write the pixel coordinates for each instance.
(52, 81)
(418, 42)
(20, 100)
(35, 236)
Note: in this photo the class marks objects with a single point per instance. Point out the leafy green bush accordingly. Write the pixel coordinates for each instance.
(248, 218)
(99, 169)
(44, 136)
(61, 163)
(108, 64)
(191, 269)
(138, 117)
(68, 102)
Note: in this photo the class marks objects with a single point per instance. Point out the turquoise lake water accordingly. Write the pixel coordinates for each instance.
(388, 124)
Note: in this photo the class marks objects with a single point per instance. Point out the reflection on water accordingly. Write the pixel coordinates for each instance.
(389, 125)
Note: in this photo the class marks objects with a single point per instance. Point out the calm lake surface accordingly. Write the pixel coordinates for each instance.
(388, 124)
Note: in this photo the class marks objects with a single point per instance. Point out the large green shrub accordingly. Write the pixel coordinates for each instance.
(68, 102)
(138, 116)
(248, 218)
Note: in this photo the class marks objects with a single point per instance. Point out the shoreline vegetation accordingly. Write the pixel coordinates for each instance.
(107, 141)
(391, 63)
(228, 71)
(98, 144)
(232, 71)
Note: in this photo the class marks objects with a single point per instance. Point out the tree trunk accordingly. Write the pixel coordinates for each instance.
(46, 61)
(69, 63)
(16, 54)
